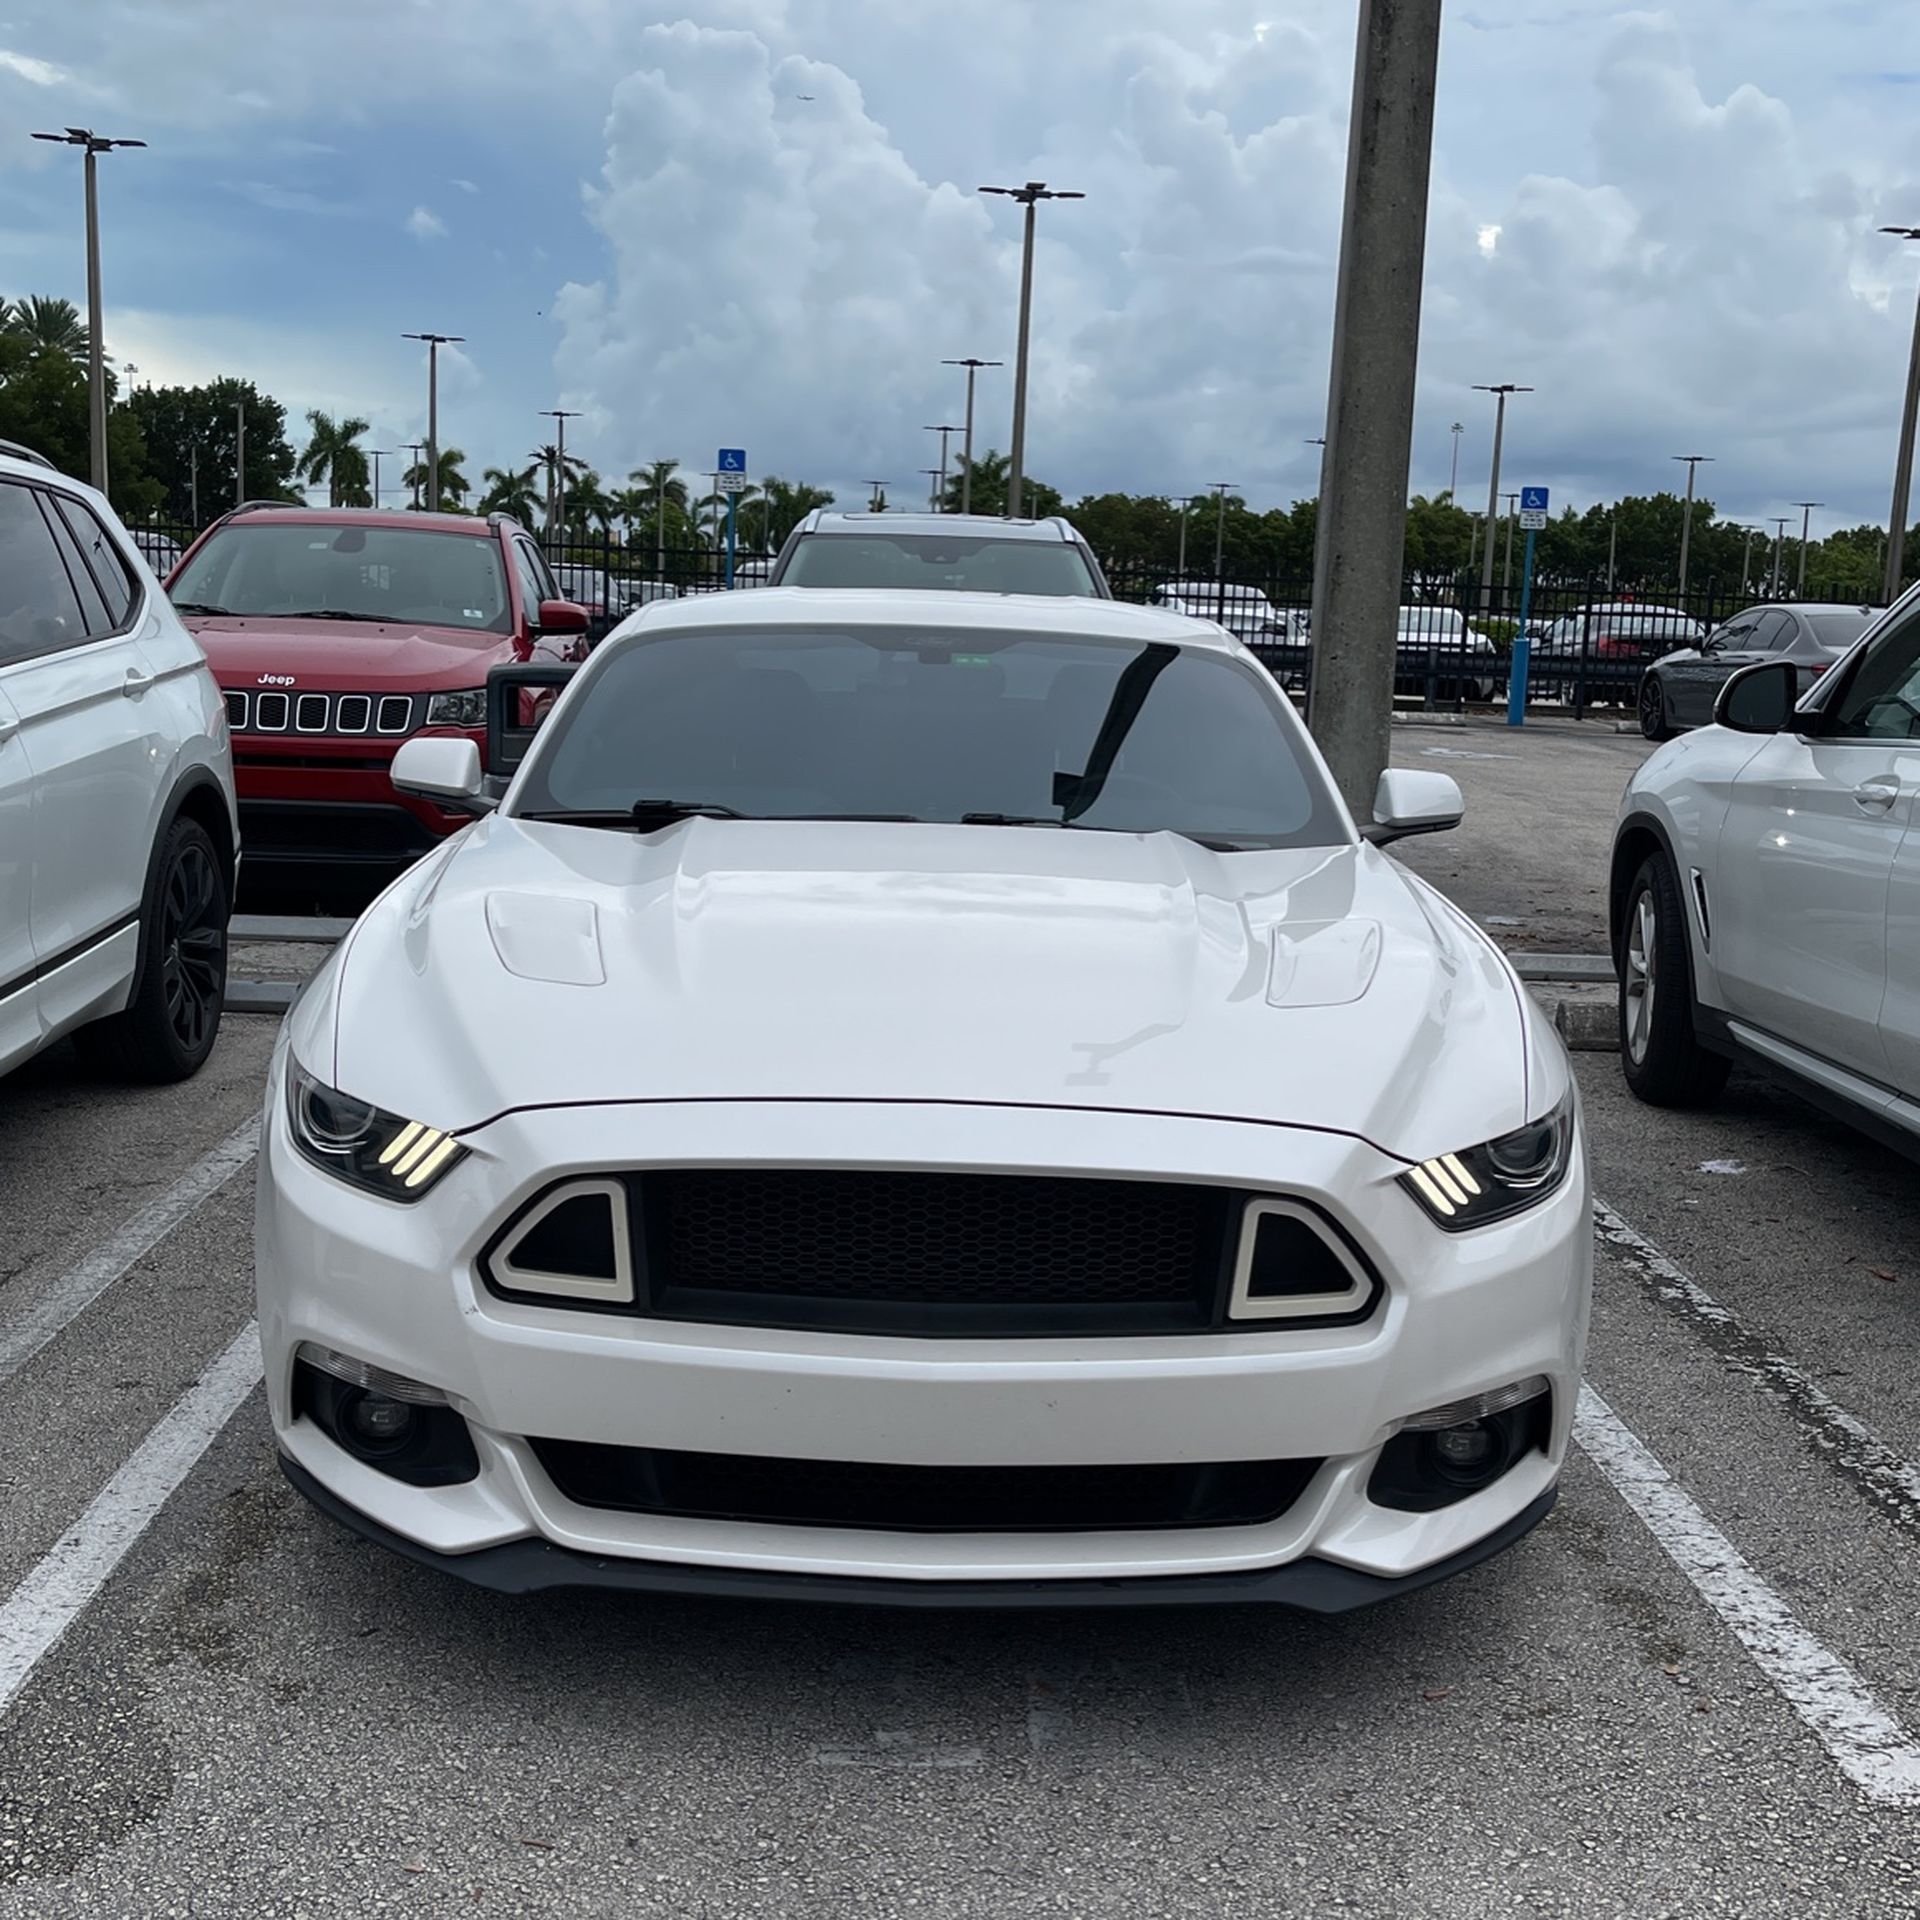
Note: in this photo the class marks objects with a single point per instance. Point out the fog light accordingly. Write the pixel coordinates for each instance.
(1464, 1448)
(376, 1421)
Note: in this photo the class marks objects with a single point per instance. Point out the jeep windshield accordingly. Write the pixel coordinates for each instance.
(971, 728)
(255, 569)
(975, 564)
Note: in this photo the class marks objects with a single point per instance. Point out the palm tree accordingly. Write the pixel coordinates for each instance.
(454, 485)
(548, 457)
(588, 502)
(788, 503)
(511, 491)
(630, 506)
(331, 454)
(48, 326)
(658, 480)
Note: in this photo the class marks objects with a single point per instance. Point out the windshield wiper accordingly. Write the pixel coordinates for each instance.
(201, 606)
(330, 613)
(1011, 820)
(649, 816)
(1086, 826)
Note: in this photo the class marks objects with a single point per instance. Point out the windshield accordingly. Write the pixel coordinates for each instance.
(925, 560)
(932, 725)
(409, 575)
(1836, 632)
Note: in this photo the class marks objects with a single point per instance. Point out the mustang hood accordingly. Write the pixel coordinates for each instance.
(533, 964)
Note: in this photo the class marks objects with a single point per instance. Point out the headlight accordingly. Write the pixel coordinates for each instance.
(464, 709)
(1503, 1177)
(381, 1152)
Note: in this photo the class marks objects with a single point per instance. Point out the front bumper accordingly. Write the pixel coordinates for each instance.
(398, 1287)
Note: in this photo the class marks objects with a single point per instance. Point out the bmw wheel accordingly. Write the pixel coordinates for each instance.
(1653, 709)
(1662, 1058)
(173, 1017)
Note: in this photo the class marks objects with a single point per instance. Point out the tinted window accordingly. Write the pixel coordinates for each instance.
(1882, 700)
(1771, 632)
(533, 583)
(38, 609)
(1837, 631)
(102, 557)
(932, 727)
(410, 576)
(917, 560)
(93, 605)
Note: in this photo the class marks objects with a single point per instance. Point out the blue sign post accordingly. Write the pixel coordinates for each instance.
(730, 470)
(1533, 516)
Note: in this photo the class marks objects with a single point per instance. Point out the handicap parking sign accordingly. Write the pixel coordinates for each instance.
(731, 460)
(1533, 499)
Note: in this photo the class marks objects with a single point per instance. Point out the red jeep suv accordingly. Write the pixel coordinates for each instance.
(338, 633)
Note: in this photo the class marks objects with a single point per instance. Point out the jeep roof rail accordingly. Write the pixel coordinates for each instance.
(262, 506)
(16, 451)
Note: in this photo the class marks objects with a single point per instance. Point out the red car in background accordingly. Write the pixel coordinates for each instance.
(338, 633)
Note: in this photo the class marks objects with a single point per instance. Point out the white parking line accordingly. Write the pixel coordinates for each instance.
(1870, 1747)
(22, 1335)
(53, 1595)
(1889, 1480)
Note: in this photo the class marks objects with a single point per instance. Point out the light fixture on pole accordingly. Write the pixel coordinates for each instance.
(1318, 440)
(1500, 393)
(558, 492)
(1779, 540)
(936, 479)
(417, 448)
(376, 455)
(435, 341)
(1694, 461)
(1453, 477)
(1029, 197)
(940, 496)
(1903, 461)
(1806, 520)
(1222, 488)
(973, 367)
(93, 146)
(1185, 501)
(874, 497)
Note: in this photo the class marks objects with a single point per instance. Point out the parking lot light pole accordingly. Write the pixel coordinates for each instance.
(93, 146)
(1746, 560)
(435, 341)
(878, 488)
(1779, 540)
(377, 454)
(1903, 461)
(1222, 488)
(1453, 478)
(416, 448)
(973, 367)
(1029, 197)
(559, 416)
(1506, 566)
(1693, 461)
(936, 479)
(1806, 520)
(239, 453)
(1499, 393)
(1185, 501)
(940, 497)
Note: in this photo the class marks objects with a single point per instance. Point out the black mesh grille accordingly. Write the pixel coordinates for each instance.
(893, 1245)
(877, 1496)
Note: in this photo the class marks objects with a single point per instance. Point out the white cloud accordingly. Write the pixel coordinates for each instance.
(465, 186)
(424, 224)
(38, 73)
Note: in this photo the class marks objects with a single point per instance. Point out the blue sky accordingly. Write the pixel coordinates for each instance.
(1662, 221)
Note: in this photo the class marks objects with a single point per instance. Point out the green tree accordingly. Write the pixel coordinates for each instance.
(454, 485)
(991, 473)
(786, 503)
(43, 405)
(659, 479)
(588, 502)
(511, 490)
(192, 439)
(334, 460)
(48, 326)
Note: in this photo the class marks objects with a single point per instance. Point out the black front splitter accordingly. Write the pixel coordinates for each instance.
(534, 1566)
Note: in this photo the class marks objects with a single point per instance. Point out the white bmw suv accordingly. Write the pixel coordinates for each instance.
(1766, 891)
(118, 831)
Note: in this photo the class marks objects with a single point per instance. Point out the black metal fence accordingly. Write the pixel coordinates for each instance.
(1590, 640)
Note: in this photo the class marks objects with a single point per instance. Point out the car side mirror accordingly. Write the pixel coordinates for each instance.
(1758, 699)
(519, 698)
(442, 769)
(563, 616)
(1406, 803)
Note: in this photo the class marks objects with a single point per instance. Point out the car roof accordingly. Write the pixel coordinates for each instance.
(1212, 589)
(972, 526)
(1861, 607)
(1068, 616)
(271, 514)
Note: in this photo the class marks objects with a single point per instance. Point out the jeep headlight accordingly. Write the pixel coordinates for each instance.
(364, 1145)
(467, 708)
(1500, 1177)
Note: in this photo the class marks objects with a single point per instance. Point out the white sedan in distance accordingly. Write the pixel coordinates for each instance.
(1765, 895)
(922, 1098)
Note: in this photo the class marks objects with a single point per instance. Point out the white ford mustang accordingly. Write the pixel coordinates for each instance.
(1766, 891)
(922, 1097)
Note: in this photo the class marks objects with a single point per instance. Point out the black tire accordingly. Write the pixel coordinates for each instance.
(1664, 1063)
(1654, 722)
(173, 1018)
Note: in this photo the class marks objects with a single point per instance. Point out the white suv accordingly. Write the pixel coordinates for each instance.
(118, 832)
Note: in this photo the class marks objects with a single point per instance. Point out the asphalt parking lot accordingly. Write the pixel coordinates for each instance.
(1685, 1695)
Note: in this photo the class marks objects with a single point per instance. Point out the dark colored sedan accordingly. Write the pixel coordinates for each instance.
(1678, 690)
